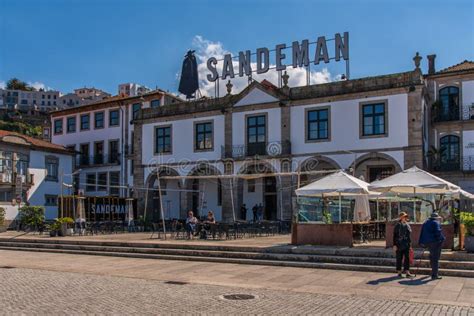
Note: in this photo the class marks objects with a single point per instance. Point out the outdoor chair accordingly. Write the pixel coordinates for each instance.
(156, 229)
(178, 230)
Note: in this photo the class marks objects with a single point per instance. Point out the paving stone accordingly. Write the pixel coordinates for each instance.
(28, 291)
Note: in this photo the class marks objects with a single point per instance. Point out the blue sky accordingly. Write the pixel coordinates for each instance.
(101, 43)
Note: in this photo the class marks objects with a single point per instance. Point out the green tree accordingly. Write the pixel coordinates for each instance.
(17, 84)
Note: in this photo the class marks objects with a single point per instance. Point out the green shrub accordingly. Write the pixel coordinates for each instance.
(65, 220)
(468, 220)
(31, 215)
(2, 216)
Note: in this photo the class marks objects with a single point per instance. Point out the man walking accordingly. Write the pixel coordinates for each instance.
(432, 237)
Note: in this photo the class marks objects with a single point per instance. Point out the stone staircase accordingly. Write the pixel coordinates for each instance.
(459, 264)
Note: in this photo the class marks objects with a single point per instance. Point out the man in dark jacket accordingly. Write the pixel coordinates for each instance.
(432, 237)
(402, 244)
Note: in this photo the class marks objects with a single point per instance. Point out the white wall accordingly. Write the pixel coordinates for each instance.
(210, 199)
(91, 136)
(467, 93)
(273, 125)
(251, 198)
(345, 126)
(182, 141)
(36, 194)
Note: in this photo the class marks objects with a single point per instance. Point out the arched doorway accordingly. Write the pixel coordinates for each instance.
(316, 164)
(205, 193)
(170, 193)
(255, 189)
(375, 166)
(449, 152)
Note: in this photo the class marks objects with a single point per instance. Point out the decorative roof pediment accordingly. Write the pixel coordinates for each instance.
(256, 94)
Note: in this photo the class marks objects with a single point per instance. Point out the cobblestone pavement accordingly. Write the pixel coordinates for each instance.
(28, 291)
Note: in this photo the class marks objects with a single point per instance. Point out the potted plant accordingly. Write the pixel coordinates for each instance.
(66, 226)
(467, 219)
(3, 227)
(54, 228)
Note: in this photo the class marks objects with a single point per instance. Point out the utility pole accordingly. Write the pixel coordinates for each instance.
(61, 177)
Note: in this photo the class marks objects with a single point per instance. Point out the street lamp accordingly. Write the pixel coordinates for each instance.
(61, 178)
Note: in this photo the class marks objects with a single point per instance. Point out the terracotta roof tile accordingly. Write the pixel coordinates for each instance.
(36, 143)
(465, 65)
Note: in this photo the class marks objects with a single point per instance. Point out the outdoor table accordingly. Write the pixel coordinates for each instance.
(363, 228)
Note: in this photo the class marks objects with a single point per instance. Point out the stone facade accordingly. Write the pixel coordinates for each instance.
(409, 84)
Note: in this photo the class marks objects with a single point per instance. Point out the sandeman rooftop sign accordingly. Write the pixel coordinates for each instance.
(298, 54)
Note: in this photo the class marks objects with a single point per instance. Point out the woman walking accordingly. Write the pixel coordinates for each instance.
(402, 245)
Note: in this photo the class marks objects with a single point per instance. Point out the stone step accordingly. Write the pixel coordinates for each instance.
(279, 249)
(246, 255)
(314, 265)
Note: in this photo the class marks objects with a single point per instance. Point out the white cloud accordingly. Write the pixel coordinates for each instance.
(39, 85)
(206, 48)
(2, 84)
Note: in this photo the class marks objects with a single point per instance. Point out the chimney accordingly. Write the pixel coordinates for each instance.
(431, 64)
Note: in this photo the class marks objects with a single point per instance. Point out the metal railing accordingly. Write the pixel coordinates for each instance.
(460, 113)
(465, 163)
(14, 178)
(82, 160)
(445, 115)
(273, 149)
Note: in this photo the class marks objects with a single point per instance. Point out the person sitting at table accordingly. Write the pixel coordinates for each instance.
(206, 228)
(191, 223)
(210, 218)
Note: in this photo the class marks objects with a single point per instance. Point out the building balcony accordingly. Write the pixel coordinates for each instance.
(464, 113)
(464, 164)
(97, 160)
(16, 179)
(267, 149)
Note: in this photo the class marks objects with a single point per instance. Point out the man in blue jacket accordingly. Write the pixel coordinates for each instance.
(432, 237)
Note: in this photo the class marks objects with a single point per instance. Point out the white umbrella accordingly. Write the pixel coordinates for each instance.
(336, 184)
(414, 180)
(361, 208)
(464, 194)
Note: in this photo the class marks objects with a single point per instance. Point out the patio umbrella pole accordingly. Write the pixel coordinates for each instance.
(161, 204)
(281, 199)
(146, 203)
(377, 207)
(414, 205)
(340, 208)
(232, 197)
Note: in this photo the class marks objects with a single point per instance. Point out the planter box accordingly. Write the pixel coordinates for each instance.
(448, 232)
(469, 243)
(321, 234)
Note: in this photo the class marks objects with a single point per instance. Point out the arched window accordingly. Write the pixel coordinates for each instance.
(449, 150)
(449, 98)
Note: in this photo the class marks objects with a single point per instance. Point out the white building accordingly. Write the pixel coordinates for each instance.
(82, 96)
(450, 150)
(101, 133)
(26, 100)
(132, 89)
(30, 168)
(371, 126)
